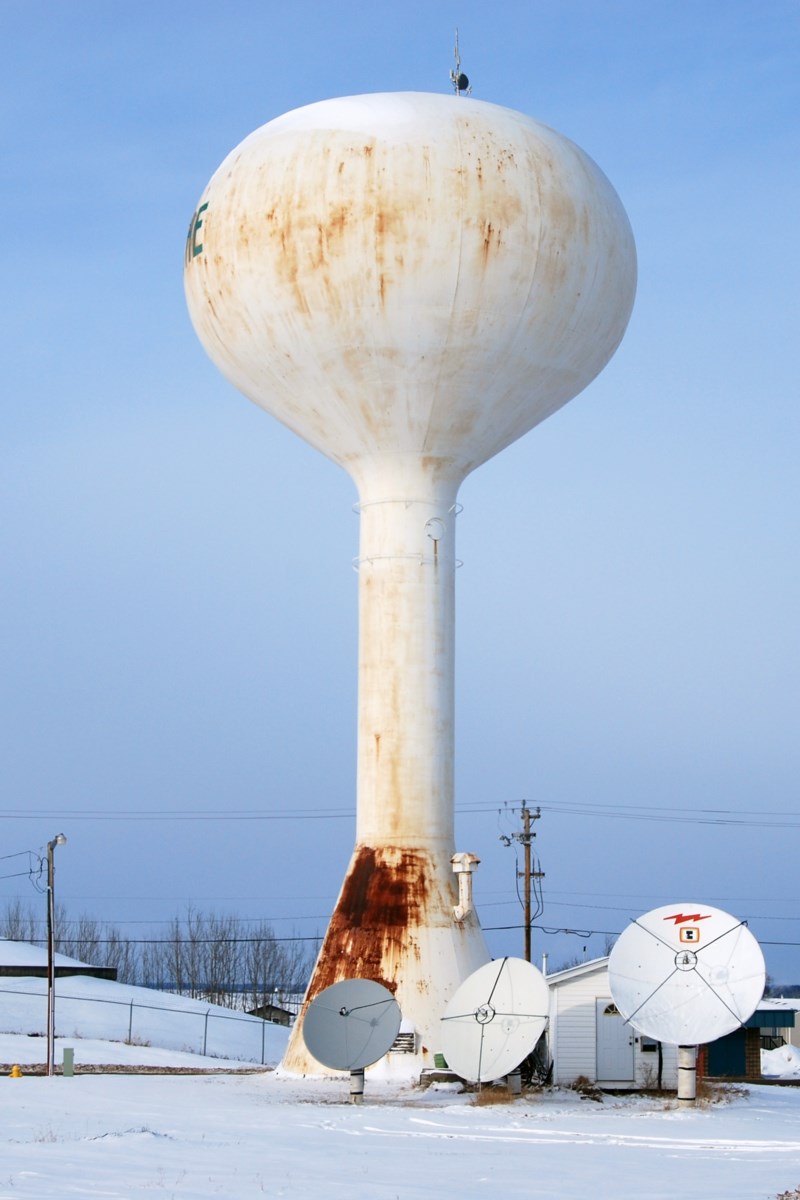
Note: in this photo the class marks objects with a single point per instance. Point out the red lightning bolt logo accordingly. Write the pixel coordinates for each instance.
(679, 918)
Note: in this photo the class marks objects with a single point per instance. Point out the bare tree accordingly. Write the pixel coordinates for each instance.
(82, 939)
(18, 924)
(262, 967)
(122, 954)
(153, 969)
(275, 969)
(223, 954)
(174, 960)
(216, 957)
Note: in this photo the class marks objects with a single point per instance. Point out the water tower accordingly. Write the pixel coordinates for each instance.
(410, 282)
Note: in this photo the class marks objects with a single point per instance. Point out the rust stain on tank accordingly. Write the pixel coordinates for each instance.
(585, 224)
(385, 897)
(337, 220)
(505, 158)
(491, 238)
(390, 221)
(319, 258)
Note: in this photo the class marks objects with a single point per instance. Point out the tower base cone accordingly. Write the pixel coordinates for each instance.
(395, 923)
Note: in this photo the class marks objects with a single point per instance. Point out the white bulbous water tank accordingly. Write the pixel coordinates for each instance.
(409, 273)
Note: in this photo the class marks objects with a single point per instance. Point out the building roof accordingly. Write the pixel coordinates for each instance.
(23, 954)
(585, 968)
(771, 1018)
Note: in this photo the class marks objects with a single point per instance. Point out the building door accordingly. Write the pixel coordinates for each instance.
(614, 1044)
(727, 1055)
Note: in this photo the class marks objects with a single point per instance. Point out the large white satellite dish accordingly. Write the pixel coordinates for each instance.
(495, 1019)
(351, 1024)
(686, 974)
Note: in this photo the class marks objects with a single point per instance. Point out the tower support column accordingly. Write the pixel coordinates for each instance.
(395, 920)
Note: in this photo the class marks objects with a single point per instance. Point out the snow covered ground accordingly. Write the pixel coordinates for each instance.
(127, 1137)
(246, 1136)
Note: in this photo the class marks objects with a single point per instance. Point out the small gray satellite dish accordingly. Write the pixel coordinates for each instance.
(495, 1019)
(686, 974)
(351, 1024)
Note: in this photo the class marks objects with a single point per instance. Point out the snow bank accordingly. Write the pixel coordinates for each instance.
(783, 1063)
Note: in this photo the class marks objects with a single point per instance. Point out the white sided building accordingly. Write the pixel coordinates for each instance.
(588, 1037)
(779, 1032)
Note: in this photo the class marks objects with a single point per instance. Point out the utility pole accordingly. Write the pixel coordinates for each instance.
(58, 840)
(527, 874)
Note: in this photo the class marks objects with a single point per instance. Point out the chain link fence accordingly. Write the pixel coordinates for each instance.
(188, 1025)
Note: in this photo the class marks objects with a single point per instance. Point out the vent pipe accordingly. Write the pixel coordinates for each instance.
(463, 866)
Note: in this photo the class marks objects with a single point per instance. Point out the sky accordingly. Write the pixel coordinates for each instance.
(177, 602)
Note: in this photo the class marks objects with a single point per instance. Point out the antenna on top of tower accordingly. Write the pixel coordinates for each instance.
(459, 81)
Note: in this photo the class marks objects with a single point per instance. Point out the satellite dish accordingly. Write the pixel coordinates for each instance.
(351, 1024)
(686, 974)
(495, 1019)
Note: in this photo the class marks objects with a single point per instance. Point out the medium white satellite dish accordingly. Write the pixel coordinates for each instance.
(686, 974)
(495, 1019)
(351, 1024)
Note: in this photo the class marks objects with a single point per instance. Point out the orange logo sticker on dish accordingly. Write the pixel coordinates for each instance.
(689, 933)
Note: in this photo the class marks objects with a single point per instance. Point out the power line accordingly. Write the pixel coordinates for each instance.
(35, 923)
(187, 942)
(592, 805)
(184, 940)
(646, 897)
(587, 933)
(751, 818)
(35, 865)
(511, 901)
(86, 814)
